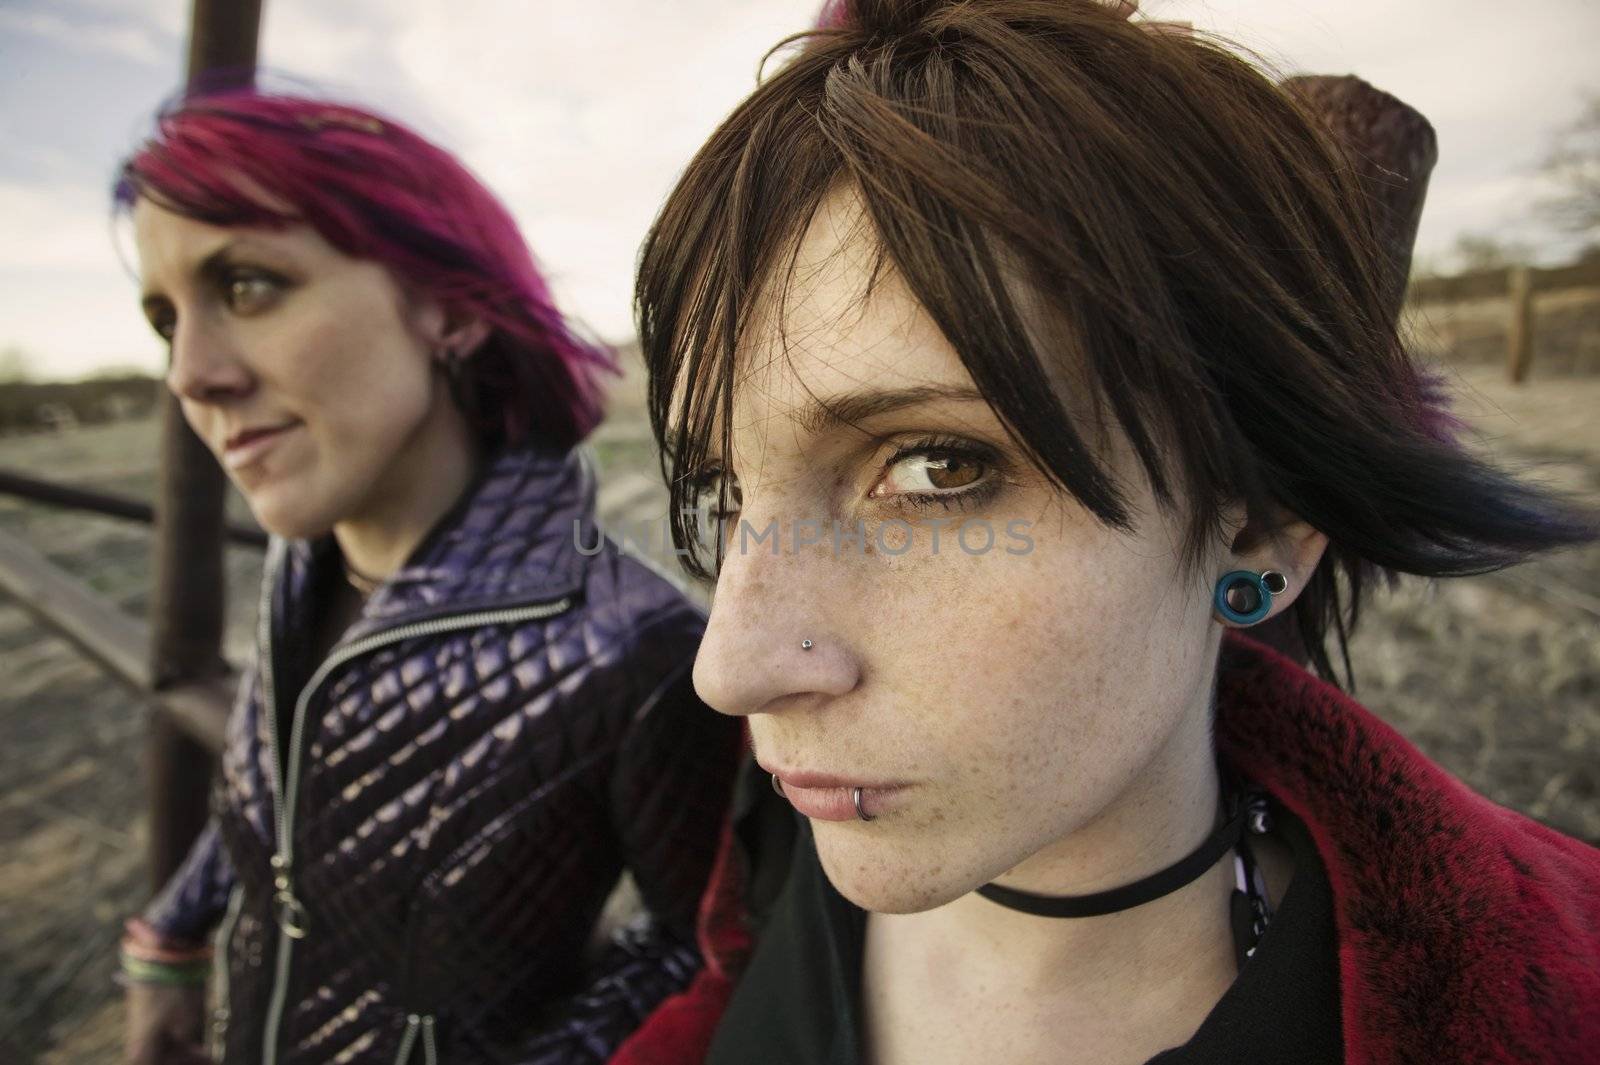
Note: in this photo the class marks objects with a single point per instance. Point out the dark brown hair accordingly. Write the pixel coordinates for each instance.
(1201, 252)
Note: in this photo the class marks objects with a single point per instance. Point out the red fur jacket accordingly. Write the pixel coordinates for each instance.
(1467, 933)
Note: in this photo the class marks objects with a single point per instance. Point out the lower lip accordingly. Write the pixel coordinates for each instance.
(838, 804)
(239, 456)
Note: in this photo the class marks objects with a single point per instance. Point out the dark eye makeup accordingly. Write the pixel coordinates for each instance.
(951, 455)
(980, 464)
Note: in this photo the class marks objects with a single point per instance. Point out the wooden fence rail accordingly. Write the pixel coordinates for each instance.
(1519, 285)
(108, 505)
(114, 639)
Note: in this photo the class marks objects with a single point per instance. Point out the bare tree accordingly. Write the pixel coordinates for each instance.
(1483, 251)
(1572, 169)
(15, 365)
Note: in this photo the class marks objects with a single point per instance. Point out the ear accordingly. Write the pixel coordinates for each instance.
(1278, 541)
(451, 335)
(462, 338)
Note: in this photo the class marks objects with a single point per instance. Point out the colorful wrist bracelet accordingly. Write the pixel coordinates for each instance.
(141, 971)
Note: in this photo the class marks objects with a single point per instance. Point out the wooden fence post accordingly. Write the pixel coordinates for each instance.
(187, 602)
(1392, 150)
(1519, 328)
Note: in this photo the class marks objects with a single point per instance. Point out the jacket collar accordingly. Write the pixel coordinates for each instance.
(1466, 932)
(512, 539)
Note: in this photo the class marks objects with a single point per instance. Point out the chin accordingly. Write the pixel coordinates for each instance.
(278, 512)
(885, 876)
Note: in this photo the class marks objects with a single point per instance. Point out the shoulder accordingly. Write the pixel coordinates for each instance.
(1463, 926)
(649, 611)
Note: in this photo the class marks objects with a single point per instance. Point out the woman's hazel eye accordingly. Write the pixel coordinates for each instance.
(249, 292)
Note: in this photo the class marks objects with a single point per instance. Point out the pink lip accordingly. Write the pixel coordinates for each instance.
(248, 445)
(826, 797)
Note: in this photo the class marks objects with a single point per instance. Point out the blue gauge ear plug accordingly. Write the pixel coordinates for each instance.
(1244, 596)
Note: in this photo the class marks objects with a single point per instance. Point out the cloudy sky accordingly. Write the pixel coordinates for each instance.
(581, 115)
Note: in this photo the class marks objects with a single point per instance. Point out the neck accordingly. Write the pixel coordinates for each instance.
(418, 488)
(1107, 962)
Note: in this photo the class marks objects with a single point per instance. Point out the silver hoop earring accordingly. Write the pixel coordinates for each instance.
(859, 811)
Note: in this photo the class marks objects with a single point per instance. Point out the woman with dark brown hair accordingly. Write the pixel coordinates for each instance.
(1025, 361)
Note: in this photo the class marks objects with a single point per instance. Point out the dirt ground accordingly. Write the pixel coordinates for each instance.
(1497, 678)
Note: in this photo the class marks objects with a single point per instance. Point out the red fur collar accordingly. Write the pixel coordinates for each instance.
(1467, 933)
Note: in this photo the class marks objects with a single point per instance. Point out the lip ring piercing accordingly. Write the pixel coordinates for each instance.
(859, 811)
(1256, 587)
(855, 795)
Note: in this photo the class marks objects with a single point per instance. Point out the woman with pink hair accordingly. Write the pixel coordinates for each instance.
(464, 720)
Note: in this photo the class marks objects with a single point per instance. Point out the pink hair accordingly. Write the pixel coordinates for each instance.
(376, 190)
(832, 15)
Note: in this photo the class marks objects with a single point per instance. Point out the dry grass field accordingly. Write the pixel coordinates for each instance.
(1498, 678)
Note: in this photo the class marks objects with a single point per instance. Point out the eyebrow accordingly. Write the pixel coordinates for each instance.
(210, 266)
(831, 412)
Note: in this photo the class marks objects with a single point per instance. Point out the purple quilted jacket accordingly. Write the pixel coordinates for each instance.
(415, 835)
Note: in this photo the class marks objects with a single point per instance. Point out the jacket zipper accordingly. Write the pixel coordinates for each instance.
(221, 953)
(291, 913)
(276, 549)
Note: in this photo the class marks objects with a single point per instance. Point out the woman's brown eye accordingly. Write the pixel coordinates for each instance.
(922, 472)
(952, 472)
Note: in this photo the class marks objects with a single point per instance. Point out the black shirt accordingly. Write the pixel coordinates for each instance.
(798, 1002)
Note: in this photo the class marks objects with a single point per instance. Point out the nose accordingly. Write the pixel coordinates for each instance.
(766, 608)
(204, 368)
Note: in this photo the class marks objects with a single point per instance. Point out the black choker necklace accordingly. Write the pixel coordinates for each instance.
(1249, 910)
(1148, 889)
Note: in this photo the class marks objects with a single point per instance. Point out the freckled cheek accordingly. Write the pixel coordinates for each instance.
(1023, 669)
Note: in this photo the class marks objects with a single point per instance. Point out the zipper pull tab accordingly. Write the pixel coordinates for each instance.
(291, 915)
(416, 1022)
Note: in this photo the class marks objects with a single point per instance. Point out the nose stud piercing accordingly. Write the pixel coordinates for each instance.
(1244, 597)
(805, 645)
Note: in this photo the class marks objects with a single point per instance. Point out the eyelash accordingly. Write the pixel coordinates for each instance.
(937, 447)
